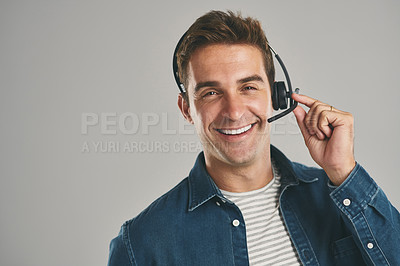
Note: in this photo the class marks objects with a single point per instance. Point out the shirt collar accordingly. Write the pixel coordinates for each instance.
(202, 187)
(288, 176)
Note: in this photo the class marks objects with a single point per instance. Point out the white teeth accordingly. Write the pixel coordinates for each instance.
(235, 131)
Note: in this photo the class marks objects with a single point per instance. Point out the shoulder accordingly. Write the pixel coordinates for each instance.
(294, 171)
(309, 173)
(161, 211)
(148, 227)
(303, 170)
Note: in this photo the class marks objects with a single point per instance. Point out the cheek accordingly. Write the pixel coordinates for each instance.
(262, 106)
(202, 118)
(270, 109)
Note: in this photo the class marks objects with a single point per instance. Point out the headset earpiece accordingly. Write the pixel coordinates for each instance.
(275, 101)
(279, 96)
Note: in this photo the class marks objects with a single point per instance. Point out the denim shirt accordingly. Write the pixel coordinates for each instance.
(192, 224)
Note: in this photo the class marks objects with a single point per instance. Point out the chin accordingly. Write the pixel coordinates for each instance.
(236, 154)
(239, 158)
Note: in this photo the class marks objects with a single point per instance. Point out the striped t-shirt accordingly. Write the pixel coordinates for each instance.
(268, 241)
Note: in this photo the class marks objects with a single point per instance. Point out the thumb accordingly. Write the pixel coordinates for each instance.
(300, 114)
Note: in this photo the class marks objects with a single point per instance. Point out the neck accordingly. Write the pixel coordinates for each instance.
(241, 178)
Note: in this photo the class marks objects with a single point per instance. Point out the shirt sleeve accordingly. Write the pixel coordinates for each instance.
(118, 255)
(374, 222)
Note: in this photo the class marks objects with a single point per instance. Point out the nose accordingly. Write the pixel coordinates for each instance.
(233, 107)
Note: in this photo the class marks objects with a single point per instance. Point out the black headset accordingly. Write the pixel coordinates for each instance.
(280, 94)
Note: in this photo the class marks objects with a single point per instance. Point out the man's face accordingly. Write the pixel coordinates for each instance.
(230, 102)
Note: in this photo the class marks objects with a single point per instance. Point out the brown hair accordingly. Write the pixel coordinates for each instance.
(216, 27)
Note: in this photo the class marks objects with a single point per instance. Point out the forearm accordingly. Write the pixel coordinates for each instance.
(375, 223)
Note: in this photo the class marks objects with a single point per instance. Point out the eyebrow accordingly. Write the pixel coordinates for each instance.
(205, 84)
(251, 78)
(216, 83)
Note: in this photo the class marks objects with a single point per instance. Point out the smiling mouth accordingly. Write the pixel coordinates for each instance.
(235, 131)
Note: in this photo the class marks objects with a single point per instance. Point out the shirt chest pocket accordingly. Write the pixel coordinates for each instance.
(346, 252)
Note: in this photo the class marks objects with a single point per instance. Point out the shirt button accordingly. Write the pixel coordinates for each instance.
(235, 222)
(346, 202)
(218, 204)
(370, 245)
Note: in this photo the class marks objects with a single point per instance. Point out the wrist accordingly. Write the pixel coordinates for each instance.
(340, 174)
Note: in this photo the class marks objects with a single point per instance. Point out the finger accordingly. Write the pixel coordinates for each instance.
(300, 115)
(324, 123)
(336, 119)
(308, 101)
(313, 117)
(303, 99)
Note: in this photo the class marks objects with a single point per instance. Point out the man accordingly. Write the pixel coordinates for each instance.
(244, 202)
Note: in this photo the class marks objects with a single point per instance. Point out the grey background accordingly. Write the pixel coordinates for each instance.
(59, 60)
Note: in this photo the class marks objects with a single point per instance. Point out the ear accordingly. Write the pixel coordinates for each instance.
(184, 107)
